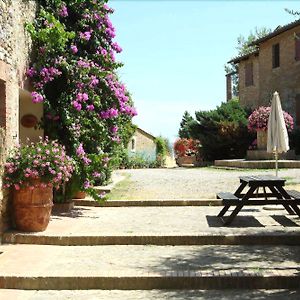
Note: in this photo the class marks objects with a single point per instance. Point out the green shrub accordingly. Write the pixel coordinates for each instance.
(222, 131)
(295, 140)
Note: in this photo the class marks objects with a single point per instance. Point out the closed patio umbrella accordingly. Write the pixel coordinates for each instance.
(278, 139)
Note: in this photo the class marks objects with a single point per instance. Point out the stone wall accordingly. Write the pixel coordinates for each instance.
(249, 95)
(15, 48)
(285, 79)
(144, 145)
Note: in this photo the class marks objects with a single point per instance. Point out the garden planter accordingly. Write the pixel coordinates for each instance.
(187, 160)
(32, 208)
(80, 195)
(63, 207)
(262, 138)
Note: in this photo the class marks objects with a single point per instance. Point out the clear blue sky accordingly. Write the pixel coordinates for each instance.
(174, 52)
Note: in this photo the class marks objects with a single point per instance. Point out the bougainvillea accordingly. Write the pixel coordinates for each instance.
(74, 74)
(186, 147)
(258, 120)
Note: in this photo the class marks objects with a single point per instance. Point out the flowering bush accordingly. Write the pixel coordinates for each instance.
(87, 108)
(186, 147)
(45, 160)
(258, 120)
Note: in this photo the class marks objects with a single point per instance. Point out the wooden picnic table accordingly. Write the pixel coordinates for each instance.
(249, 193)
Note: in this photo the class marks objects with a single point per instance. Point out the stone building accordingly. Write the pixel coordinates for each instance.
(15, 50)
(142, 144)
(273, 66)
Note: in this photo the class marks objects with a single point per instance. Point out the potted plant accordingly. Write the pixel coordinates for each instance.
(186, 151)
(258, 122)
(32, 171)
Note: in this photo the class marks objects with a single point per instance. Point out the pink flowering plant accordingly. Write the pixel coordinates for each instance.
(43, 163)
(258, 120)
(74, 73)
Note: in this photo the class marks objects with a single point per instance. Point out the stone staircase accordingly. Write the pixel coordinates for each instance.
(177, 251)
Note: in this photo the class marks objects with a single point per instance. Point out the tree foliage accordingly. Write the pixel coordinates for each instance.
(222, 131)
(184, 125)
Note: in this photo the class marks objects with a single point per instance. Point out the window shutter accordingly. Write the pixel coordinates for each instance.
(249, 74)
(275, 56)
(297, 46)
(298, 109)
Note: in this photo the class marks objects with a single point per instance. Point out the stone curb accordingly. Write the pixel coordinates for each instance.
(185, 279)
(145, 203)
(256, 164)
(216, 239)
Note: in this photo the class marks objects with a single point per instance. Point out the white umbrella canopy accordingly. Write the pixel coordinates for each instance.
(278, 139)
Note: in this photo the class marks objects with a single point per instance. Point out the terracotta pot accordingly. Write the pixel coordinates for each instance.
(80, 195)
(32, 208)
(62, 207)
(186, 160)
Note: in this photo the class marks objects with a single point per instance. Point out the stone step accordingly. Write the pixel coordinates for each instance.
(145, 203)
(184, 225)
(150, 294)
(159, 240)
(257, 164)
(149, 267)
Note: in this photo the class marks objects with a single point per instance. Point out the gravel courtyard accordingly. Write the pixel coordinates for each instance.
(188, 183)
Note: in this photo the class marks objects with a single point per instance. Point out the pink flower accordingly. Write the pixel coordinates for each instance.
(86, 35)
(90, 107)
(63, 11)
(36, 97)
(74, 49)
(258, 120)
(116, 47)
(76, 105)
(31, 72)
(80, 151)
(86, 184)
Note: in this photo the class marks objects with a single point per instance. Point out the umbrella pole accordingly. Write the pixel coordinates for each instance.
(276, 162)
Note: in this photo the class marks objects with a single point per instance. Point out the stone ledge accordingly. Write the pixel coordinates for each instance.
(185, 279)
(264, 155)
(145, 203)
(257, 164)
(160, 240)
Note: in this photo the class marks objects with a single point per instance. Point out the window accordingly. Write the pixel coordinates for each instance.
(297, 46)
(298, 109)
(275, 56)
(2, 103)
(133, 144)
(249, 74)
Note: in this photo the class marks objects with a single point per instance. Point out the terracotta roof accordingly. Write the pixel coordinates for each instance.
(237, 59)
(277, 31)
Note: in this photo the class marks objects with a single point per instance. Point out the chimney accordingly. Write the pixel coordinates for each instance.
(228, 87)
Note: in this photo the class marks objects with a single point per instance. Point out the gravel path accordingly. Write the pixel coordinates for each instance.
(190, 183)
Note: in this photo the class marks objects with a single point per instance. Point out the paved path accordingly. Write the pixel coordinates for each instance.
(167, 221)
(189, 183)
(124, 256)
(142, 267)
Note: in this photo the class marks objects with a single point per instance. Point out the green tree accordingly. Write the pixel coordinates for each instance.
(294, 13)
(187, 119)
(222, 131)
(243, 47)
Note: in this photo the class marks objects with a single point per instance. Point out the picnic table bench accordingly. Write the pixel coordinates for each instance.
(248, 193)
